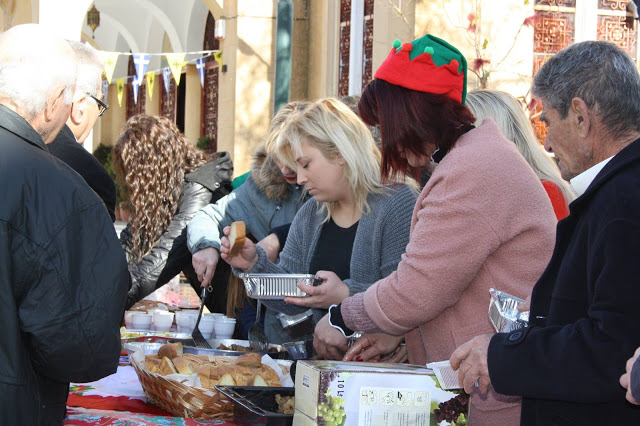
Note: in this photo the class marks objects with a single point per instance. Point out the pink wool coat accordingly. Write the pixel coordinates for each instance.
(483, 220)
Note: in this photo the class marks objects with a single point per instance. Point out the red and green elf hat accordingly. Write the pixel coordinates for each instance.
(428, 64)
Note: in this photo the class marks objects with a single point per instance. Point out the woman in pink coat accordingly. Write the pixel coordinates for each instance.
(482, 220)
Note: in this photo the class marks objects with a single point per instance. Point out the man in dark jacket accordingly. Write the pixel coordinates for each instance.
(585, 308)
(86, 107)
(63, 275)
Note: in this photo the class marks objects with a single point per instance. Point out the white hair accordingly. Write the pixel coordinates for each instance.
(90, 69)
(32, 66)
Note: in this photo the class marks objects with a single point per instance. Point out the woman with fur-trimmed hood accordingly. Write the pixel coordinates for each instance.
(269, 198)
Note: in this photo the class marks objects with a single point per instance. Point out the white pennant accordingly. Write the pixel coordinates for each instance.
(166, 78)
(200, 66)
(141, 61)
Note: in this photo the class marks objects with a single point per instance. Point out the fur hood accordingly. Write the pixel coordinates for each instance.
(267, 175)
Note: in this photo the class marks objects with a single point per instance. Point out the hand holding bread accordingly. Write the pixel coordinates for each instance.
(236, 249)
(237, 237)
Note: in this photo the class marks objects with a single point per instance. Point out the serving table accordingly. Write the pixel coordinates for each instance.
(118, 399)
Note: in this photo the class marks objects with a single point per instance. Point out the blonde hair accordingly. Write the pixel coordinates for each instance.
(284, 115)
(509, 115)
(334, 129)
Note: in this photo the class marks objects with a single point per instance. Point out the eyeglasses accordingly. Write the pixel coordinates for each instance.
(102, 107)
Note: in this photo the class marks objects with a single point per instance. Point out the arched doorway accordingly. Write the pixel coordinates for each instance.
(209, 121)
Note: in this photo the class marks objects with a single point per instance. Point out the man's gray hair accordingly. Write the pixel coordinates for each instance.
(90, 69)
(29, 76)
(599, 73)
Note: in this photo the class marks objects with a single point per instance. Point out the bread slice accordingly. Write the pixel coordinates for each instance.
(152, 363)
(269, 375)
(183, 365)
(226, 380)
(206, 382)
(170, 350)
(250, 359)
(237, 237)
(166, 367)
(258, 381)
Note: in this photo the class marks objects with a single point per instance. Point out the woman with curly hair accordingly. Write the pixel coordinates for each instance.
(167, 181)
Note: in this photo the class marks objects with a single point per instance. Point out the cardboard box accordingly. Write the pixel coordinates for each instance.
(336, 393)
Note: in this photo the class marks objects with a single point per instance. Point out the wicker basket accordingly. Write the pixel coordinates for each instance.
(186, 401)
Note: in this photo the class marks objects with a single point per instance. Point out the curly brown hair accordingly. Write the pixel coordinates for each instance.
(151, 159)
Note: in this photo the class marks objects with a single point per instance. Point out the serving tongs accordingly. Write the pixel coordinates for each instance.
(257, 338)
(196, 335)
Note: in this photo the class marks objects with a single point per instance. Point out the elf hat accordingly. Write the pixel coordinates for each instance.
(428, 64)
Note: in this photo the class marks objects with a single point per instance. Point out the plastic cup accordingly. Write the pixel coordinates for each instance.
(128, 319)
(183, 321)
(141, 320)
(214, 316)
(163, 321)
(205, 326)
(224, 328)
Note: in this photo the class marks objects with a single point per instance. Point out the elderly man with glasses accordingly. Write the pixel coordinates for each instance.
(87, 106)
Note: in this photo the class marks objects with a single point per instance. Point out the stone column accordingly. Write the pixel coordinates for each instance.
(247, 85)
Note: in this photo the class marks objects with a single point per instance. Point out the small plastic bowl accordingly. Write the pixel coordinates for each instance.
(206, 326)
(162, 321)
(224, 329)
(184, 319)
(141, 321)
(128, 319)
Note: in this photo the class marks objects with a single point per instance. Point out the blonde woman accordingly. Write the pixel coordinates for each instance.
(508, 114)
(354, 229)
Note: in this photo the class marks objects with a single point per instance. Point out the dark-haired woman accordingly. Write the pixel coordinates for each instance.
(168, 181)
(483, 220)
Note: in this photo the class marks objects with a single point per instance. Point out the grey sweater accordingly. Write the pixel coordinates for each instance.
(381, 238)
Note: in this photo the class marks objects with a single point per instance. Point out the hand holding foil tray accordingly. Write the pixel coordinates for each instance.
(503, 312)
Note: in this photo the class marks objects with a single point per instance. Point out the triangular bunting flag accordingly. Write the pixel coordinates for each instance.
(151, 79)
(140, 60)
(218, 57)
(200, 66)
(166, 78)
(109, 60)
(105, 90)
(176, 62)
(136, 86)
(120, 86)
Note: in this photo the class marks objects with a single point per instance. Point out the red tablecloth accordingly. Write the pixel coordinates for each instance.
(119, 400)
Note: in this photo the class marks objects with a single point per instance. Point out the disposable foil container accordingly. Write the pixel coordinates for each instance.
(276, 286)
(503, 312)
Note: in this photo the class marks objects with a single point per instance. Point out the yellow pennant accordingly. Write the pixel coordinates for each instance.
(218, 57)
(151, 79)
(120, 85)
(176, 62)
(109, 60)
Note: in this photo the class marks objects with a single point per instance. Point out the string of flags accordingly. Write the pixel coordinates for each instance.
(141, 61)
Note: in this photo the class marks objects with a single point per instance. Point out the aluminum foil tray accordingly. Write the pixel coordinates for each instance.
(276, 286)
(274, 351)
(503, 312)
(142, 334)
